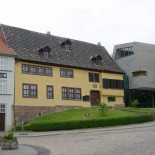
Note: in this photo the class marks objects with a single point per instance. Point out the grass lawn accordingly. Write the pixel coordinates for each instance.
(78, 114)
(74, 119)
(146, 110)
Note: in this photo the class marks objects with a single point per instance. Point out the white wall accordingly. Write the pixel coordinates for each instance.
(8, 98)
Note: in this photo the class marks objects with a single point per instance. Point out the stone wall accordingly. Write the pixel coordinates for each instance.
(31, 112)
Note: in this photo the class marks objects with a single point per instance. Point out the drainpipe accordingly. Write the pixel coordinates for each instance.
(153, 98)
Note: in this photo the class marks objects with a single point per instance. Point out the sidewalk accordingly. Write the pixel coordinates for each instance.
(22, 150)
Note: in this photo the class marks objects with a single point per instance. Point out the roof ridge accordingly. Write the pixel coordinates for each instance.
(58, 37)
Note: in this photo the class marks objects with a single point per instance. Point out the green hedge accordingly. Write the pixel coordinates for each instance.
(68, 125)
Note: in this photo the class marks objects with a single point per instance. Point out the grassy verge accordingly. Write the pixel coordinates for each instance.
(142, 110)
(74, 119)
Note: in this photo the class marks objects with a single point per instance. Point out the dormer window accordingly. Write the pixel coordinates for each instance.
(97, 62)
(67, 47)
(66, 44)
(45, 52)
(97, 59)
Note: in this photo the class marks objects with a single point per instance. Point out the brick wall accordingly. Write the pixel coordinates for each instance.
(31, 112)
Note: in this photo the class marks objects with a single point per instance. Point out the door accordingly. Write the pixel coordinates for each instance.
(95, 98)
(2, 121)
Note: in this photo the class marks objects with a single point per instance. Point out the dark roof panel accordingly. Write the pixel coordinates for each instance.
(27, 44)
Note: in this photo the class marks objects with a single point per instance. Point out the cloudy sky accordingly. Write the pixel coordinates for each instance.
(110, 22)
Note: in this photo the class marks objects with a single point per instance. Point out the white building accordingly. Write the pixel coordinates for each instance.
(7, 63)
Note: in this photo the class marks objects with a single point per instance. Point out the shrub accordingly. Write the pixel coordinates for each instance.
(103, 108)
(9, 137)
(135, 103)
(68, 125)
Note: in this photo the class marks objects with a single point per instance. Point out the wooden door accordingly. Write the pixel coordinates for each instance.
(2, 121)
(95, 98)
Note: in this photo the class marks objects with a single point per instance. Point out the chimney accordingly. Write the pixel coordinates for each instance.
(99, 43)
(48, 32)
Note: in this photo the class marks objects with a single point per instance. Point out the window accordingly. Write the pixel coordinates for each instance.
(96, 59)
(30, 90)
(78, 93)
(111, 99)
(112, 84)
(105, 83)
(93, 77)
(25, 69)
(2, 108)
(66, 73)
(123, 52)
(36, 70)
(71, 93)
(3, 63)
(45, 54)
(50, 92)
(48, 71)
(86, 98)
(33, 70)
(97, 62)
(139, 73)
(40, 70)
(67, 47)
(64, 93)
(3, 87)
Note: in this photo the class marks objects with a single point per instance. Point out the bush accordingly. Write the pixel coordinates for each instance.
(68, 125)
(9, 137)
(135, 103)
(103, 108)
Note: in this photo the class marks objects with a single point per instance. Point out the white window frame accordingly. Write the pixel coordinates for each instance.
(2, 108)
(3, 63)
(3, 86)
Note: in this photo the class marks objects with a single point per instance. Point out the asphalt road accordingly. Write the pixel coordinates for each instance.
(111, 141)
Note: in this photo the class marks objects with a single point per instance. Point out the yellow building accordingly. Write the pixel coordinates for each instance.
(54, 73)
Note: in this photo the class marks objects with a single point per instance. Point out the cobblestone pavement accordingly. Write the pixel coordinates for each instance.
(128, 140)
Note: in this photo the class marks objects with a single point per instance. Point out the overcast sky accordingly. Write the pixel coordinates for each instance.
(110, 22)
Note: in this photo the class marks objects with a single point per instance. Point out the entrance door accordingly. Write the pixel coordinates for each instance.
(2, 121)
(95, 98)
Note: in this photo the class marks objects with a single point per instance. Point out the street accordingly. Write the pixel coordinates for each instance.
(111, 141)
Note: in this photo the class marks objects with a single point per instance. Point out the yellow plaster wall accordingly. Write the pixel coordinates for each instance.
(112, 92)
(80, 80)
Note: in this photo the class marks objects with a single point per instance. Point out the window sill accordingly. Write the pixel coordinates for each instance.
(31, 97)
(72, 99)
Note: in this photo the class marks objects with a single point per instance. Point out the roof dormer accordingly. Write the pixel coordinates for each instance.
(66, 44)
(45, 51)
(96, 59)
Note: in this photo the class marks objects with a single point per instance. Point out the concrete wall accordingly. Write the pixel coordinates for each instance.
(143, 59)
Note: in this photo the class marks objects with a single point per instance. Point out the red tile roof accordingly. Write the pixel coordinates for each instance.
(4, 49)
